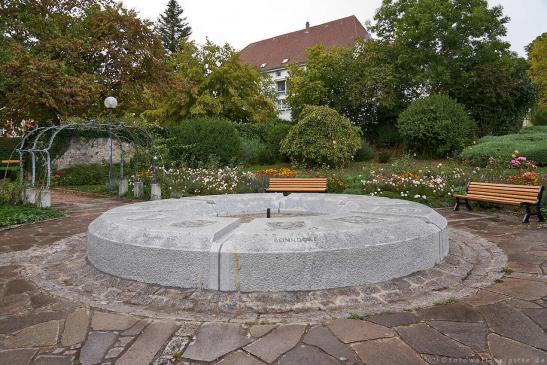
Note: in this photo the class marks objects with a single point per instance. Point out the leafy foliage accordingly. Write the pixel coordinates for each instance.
(537, 59)
(198, 142)
(19, 214)
(358, 82)
(456, 48)
(538, 115)
(322, 137)
(530, 142)
(91, 174)
(11, 192)
(261, 142)
(209, 81)
(7, 148)
(173, 27)
(436, 126)
(62, 57)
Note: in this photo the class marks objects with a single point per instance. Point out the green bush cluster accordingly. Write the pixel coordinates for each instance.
(19, 214)
(530, 142)
(538, 116)
(11, 192)
(260, 142)
(7, 148)
(77, 175)
(322, 137)
(436, 126)
(200, 141)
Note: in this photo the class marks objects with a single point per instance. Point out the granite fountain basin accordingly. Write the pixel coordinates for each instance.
(226, 242)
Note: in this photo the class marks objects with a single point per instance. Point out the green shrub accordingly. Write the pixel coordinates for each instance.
(436, 126)
(92, 174)
(7, 148)
(384, 157)
(365, 153)
(322, 137)
(20, 214)
(197, 142)
(260, 142)
(538, 116)
(11, 192)
(387, 135)
(530, 142)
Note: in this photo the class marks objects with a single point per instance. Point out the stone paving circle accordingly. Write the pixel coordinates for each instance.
(312, 242)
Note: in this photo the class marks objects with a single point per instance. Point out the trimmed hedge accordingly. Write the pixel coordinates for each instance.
(197, 142)
(260, 142)
(530, 142)
(436, 126)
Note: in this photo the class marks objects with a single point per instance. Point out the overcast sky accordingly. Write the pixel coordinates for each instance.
(240, 22)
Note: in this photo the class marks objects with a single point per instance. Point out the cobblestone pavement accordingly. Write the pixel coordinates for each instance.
(503, 323)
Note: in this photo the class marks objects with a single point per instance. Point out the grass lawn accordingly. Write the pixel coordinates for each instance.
(21, 213)
(101, 189)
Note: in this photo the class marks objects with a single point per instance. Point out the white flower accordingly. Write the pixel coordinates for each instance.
(423, 196)
(416, 197)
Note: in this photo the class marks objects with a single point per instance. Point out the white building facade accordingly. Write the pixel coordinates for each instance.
(273, 56)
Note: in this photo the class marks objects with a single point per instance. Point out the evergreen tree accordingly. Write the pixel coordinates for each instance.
(173, 27)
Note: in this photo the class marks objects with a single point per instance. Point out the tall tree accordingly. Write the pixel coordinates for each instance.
(173, 27)
(62, 57)
(455, 47)
(537, 59)
(209, 81)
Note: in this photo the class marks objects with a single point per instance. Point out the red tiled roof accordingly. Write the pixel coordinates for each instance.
(292, 46)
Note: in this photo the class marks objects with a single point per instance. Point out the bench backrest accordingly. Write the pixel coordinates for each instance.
(298, 184)
(10, 161)
(525, 193)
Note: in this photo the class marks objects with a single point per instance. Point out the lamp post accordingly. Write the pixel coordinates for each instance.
(110, 103)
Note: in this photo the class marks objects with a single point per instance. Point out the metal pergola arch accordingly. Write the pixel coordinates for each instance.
(34, 142)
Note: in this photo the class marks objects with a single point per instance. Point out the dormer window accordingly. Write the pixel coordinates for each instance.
(263, 65)
(285, 60)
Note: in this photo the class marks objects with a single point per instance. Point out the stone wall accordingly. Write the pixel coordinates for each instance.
(90, 151)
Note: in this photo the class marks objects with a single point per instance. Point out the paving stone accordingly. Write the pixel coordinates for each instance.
(350, 330)
(42, 334)
(214, 340)
(53, 360)
(148, 344)
(260, 330)
(484, 297)
(114, 352)
(111, 321)
(9, 325)
(239, 358)
(324, 339)
(456, 312)
(425, 339)
(41, 300)
(18, 286)
(76, 326)
(394, 319)
(123, 341)
(522, 289)
(306, 355)
(16, 357)
(509, 322)
(469, 333)
(538, 315)
(96, 346)
(387, 351)
(276, 343)
(521, 304)
(506, 351)
(136, 328)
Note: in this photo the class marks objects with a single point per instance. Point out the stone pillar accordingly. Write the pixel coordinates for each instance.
(138, 189)
(123, 187)
(155, 192)
(45, 199)
(30, 195)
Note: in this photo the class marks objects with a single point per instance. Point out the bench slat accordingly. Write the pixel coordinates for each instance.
(10, 161)
(506, 186)
(523, 194)
(303, 185)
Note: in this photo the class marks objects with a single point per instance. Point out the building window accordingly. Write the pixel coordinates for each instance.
(282, 104)
(278, 73)
(281, 86)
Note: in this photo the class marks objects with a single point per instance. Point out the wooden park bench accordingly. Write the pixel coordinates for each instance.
(521, 195)
(297, 185)
(9, 165)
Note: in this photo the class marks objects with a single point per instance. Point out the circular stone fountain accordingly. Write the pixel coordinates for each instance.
(225, 242)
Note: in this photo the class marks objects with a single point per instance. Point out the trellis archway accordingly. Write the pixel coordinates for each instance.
(40, 141)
